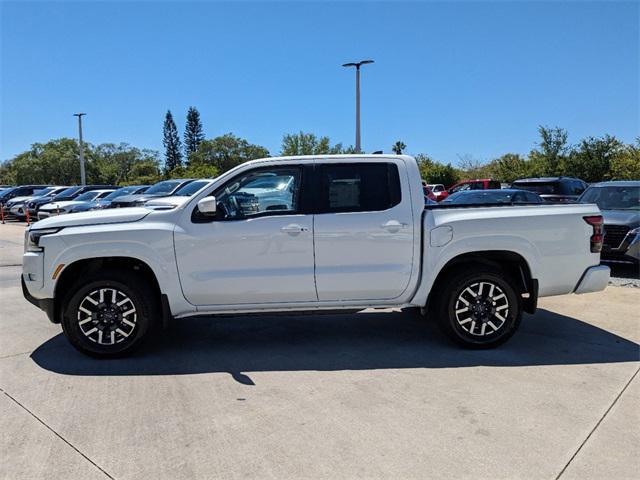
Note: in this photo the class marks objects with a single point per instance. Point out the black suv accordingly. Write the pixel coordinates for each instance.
(553, 189)
(20, 191)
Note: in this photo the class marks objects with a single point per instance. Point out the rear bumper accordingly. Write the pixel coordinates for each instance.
(594, 279)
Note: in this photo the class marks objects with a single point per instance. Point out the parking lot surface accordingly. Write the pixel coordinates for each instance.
(372, 395)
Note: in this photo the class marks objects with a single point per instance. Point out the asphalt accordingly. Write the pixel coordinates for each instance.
(372, 395)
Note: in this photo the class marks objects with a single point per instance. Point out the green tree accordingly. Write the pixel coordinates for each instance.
(171, 142)
(308, 144)
(193, 133)
(398, 147)
(55, 162)
(227, 151)
(434, 172)
(626, 164)
(509, 167)
(553, 149)
(113, 164)
(144, 172)
(591, 160)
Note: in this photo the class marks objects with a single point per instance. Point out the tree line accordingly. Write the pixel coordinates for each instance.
(195, 156)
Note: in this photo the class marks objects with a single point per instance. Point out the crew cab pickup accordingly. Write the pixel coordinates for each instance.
(308, 234)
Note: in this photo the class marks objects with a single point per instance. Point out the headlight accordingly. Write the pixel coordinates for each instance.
(34, 236)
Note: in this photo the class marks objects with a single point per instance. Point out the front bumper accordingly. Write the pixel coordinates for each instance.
(594, 279)
(47, 305)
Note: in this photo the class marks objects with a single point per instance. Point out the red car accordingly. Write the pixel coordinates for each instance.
(478, 184)
(428, 193)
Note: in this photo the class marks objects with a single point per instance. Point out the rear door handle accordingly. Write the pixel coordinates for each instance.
(394, 225)
(293, 229)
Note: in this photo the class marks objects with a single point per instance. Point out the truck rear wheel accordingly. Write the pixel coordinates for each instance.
(479, 308)
(109, 313)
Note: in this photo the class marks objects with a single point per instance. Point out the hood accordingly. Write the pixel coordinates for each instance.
(138, 197)
(172, 202)
(15, 200)
(95, 217)
(630, 218)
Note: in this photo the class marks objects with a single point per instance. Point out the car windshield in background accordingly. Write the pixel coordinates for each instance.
(270, 182)
(43, 191)
(121, 192)
(613, 198)
(191, 188)
(163, 187)
(492, 196)
(541, 188)
(66, 194)
(87, 196)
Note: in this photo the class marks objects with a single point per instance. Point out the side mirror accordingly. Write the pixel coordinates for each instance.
(207, 206)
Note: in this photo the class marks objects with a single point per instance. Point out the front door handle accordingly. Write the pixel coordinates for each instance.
(293, 229)
(394, 225)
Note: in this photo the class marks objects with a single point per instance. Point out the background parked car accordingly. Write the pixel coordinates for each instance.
(492, 197)
(68, 194)
(553, 189)
(429, 196)
(21, 191)
(478, 184)
(619, 203)
(181, 196)
(17, 206)
(105, 202)
(61, 208)
(160, 189)
(437, 189)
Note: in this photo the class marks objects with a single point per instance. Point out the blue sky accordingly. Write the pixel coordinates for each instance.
(450, 78)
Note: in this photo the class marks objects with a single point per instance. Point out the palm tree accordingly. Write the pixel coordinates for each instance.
(398, 147)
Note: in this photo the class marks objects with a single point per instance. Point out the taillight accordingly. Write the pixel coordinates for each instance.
(596, 239)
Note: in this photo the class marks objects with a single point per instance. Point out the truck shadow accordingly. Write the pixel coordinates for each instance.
(364, 341)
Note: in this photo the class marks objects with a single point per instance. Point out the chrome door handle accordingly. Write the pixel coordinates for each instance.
(394, 225)
(293, 229)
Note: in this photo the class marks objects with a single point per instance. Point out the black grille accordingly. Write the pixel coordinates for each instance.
(614, 234)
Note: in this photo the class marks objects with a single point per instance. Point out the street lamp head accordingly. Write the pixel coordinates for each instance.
(357, 64)
(78, 114)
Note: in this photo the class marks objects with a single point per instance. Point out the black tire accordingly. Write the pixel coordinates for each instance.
(488, 321)
(108, 331)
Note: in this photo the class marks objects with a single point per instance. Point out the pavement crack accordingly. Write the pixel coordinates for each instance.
(15, 355)
(597, 424)
(57, 434)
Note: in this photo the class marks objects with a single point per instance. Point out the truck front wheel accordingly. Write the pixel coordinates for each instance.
(109, 313)
(479, 308)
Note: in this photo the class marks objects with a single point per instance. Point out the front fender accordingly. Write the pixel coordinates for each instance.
(151, 244)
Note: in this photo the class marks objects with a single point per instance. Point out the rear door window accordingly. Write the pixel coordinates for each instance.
(358, 187)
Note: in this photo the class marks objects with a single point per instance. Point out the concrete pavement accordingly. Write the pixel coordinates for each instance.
(371, 395)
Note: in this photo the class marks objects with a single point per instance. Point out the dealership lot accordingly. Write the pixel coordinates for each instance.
(376, 394)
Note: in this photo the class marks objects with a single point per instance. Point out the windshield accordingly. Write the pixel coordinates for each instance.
(613, 198)
(120, 192)
(489, 196)
(164, 187)
(42, 191)
(66, 194)
(544, 188)
(191, 188)
(87, 196)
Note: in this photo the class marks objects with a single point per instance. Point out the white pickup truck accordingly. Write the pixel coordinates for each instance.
(321, 233)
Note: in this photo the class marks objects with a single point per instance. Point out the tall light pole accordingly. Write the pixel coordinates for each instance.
(357, 65)
(83, 179)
